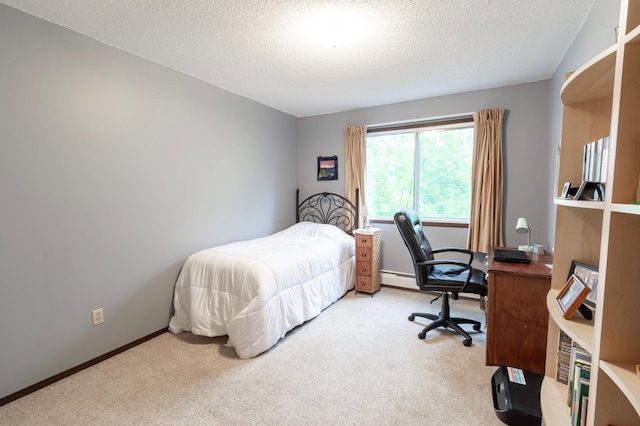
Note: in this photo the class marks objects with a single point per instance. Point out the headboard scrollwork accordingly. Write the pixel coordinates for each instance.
(327, 207)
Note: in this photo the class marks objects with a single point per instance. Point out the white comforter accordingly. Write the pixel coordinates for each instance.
(255, 291)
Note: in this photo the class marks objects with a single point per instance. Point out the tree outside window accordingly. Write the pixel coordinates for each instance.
(436, 160)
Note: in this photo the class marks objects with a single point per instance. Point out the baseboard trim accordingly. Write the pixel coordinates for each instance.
(398, 279)
(46, 382)
(408, 281)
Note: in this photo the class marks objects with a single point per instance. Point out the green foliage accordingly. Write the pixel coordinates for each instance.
(443, 178)
(390, 171)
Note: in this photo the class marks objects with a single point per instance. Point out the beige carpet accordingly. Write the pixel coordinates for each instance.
(359, 363)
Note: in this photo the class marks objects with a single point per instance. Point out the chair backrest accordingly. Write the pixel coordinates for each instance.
(410, 227)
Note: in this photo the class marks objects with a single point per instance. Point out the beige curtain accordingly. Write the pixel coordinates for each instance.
(485, 224)
(355, 172)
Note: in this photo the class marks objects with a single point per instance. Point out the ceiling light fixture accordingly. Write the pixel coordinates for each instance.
(334, 30)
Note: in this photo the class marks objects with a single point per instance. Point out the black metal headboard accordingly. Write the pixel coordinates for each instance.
(330, 208)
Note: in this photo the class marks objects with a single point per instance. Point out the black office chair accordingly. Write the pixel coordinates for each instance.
(445, 276)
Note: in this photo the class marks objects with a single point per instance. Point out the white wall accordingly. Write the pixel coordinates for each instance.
(525, 145)
(112, 171)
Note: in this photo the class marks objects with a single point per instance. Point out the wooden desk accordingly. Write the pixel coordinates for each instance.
(517, 314)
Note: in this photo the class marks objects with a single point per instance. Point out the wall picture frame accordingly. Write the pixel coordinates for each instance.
(571, 296)
(328, 168)
(589, 275)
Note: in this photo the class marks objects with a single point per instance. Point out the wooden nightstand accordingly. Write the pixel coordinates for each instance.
(367, 260)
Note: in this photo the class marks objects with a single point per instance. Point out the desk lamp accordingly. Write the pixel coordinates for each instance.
(523, 228)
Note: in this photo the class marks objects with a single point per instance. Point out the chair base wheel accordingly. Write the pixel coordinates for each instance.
(445, 320)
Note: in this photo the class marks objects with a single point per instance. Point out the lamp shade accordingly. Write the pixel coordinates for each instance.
(522, 227)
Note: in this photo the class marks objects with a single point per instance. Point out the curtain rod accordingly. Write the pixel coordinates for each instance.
(420, 123)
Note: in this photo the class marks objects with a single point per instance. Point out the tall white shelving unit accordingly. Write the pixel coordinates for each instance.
(600, 99)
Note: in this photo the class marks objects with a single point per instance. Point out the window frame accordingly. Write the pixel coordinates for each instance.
(461, 121)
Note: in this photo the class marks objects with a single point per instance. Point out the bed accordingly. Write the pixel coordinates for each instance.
(255, 291)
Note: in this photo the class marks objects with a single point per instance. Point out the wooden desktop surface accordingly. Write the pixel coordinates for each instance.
(517, 316)
(537, 266)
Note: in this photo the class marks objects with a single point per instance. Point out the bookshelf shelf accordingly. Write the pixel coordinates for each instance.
(633, 36)
(624, 376)
(632, 209)
(594, 80)
(552, 392)
(582, 204)
(579, 329)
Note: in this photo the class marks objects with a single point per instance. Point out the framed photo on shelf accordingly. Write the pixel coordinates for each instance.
(571, 296)
(589, 276)
(565, 190)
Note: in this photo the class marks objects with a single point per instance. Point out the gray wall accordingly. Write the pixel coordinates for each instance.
(526, 146)
(596, 35)
(112, 171)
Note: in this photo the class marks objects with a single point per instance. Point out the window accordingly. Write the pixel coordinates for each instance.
(435, 159)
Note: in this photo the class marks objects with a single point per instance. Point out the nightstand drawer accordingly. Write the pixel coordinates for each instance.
(363, 240)
(364, 284)
(363, 254)
(363, 268)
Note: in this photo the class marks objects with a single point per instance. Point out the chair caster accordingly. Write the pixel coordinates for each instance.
(422, 335)
(411, 318)
(476, 327)
(466, 342)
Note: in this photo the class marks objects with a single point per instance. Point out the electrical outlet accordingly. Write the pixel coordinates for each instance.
(97, 316)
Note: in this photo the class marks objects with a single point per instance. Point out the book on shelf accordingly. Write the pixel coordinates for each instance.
(605, 160)
(578, 356)
(583, 412)
(582, 376)
(564, 358)
(578, 382)
(594, 161)
(586, 161)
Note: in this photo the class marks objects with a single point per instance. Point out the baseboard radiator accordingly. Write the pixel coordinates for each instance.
(404, 280)
(398, 279)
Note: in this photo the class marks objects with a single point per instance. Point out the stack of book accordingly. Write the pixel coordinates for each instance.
(578, 386)
(595, 159)
(574, 370)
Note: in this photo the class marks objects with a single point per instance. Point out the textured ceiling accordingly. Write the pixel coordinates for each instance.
(260, 49)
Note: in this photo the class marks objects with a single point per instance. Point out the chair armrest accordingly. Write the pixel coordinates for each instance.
(451, 262)
(456, 250)
(444, 262)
